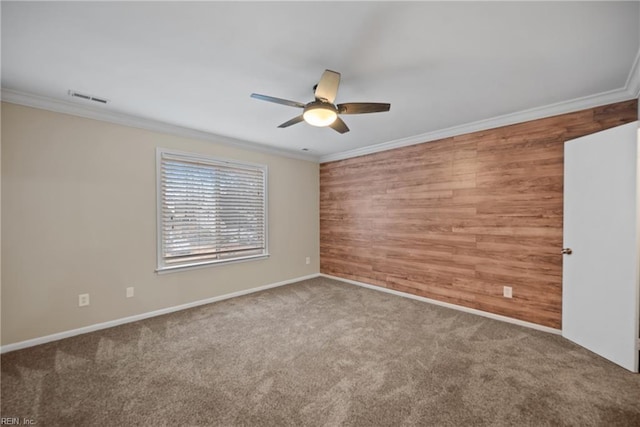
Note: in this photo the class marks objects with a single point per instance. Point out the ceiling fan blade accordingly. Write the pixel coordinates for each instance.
(339, 126)
(328, 86)
(292, 122)
(362, 107)
(278, 100)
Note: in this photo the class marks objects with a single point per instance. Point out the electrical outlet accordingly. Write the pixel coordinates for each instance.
(83, 300)
(130, 292)
(308, 260)
(507, 292)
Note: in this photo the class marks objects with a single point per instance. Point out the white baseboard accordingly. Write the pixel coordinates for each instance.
(98, 326)
(91, 328)
(449, 305)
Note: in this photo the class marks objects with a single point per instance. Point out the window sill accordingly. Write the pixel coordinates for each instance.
(182, 267)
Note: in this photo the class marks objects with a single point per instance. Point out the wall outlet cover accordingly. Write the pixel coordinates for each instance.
(507, 292)
(83, 300)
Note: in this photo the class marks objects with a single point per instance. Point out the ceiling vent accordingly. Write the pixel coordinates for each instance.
(75, 94)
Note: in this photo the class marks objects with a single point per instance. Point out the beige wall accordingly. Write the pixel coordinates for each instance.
(79, 216)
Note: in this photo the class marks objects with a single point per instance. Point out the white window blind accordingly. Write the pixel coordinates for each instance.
(209, 210)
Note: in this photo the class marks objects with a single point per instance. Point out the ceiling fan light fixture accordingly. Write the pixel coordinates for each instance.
(320, 114)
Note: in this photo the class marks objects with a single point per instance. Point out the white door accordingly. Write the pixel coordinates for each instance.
(600, 279)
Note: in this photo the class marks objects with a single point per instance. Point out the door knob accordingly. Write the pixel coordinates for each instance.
(566, 251)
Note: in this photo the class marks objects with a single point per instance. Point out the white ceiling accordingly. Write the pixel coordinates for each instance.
(441, 65)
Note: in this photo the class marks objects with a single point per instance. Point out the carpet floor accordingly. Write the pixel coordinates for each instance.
(317, 353)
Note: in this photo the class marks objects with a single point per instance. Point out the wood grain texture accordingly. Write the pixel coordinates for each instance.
(459, 218)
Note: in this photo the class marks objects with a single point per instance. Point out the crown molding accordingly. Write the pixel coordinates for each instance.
(89, 112)
(630, 91)
(578, 104)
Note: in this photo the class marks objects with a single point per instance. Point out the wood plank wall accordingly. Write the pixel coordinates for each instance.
(457, 219)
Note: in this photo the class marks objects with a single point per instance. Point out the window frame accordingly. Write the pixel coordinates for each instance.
(161, 266)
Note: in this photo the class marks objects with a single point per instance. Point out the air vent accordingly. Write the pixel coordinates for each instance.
(75, 94)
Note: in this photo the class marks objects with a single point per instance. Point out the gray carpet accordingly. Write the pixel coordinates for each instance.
(317, 353)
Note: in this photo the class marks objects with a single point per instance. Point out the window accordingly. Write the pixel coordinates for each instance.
(209, 210)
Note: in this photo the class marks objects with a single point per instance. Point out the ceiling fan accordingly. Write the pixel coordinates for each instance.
(322, 111)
